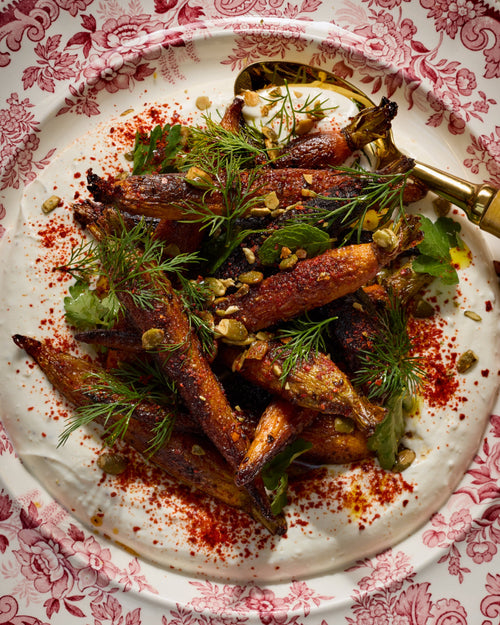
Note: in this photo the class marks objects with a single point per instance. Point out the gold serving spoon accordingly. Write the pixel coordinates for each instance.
(480, 202)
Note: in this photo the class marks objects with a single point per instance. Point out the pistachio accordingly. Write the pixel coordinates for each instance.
(249, 255)
(172, 250)
(467, 360)
(227, 282)
(472, 315)
(371, 220)
(441, 206)
(251, 277)
(216, 286)
(403, 460)
(269, 133)
(386, 239)
(51, 203)
(231, 329)
(423, 309)
(227, 312)
(301, 253)
(289, 262)
(195, 174)
(112, 462)
(203, 103)
(243, 290)
(271, 200)
(260, 211)
(258, 349)
(152, 338)
(303, 126)
(197, 450)
(252, 98)
(343, 425)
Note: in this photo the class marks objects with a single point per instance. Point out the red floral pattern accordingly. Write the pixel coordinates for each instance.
(458, 533)
(55, 571)
(389, 595)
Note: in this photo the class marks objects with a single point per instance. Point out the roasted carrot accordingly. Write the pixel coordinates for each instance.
(180, 457)
(315, 383)
(278, 426)
(169, 196)
(331, 446)
(313, 282)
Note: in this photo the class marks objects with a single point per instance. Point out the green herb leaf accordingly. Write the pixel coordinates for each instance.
(435, 257)
(115, 396)
(387, 368)
(303, 337)
(274, 473)
(156, 152)
(294, 236)
(385, 440)
(383, 193)
(84, 309)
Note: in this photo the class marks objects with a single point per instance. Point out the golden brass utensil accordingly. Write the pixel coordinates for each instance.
(480, 202)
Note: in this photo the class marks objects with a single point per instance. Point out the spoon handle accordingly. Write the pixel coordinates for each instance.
(481, 202)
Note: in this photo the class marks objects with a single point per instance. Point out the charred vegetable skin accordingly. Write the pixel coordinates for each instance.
(206, 471)
(311, 398)
(314, 282)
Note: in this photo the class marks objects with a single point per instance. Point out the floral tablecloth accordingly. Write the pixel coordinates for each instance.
(54, 571)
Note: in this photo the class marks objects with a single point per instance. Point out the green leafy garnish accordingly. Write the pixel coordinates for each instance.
(131, 260)
(435, 258)
(274, 474)
(85, 309)
(156, 152)
(390, 373)
(195, 296)
(388, 369)
(115, 396)
(381, 192)
(302, 337)
(233, 150)
(385, 440)
(237, 197)
(294, 236)
(285, 110)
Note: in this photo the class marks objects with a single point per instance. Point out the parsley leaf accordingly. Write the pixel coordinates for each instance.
(435, 258)
(274, 473)
(84, 309)
(156, 152)
(385, 440)
(295, 236)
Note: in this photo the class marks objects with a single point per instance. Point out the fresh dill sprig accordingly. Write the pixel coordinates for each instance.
(301, 338)
(381, 192)
(237, 197)
(195, 296)
(83, 264)
(115, 396)
(130, 260)
(388, 369)
(286, 110)
(235, 150)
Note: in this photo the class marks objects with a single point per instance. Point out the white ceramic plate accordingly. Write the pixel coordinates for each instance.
(72, 572)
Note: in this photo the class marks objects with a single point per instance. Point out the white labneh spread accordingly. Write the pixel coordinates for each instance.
(355, 512)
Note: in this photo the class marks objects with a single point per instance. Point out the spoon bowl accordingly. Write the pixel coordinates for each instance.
(480, 202)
